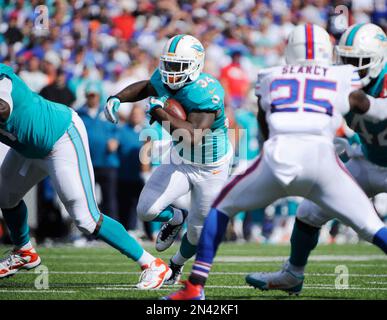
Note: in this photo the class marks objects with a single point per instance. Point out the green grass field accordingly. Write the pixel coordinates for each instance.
(102, 273)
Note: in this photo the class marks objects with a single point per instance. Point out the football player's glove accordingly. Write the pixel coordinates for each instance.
(111, 108)
(156, 102)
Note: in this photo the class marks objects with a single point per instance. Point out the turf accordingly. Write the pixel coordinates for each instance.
(102, 273)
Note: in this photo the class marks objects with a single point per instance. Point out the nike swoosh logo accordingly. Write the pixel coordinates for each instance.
(17, 266)
(212, 91)
(273, 286)
(24, 261)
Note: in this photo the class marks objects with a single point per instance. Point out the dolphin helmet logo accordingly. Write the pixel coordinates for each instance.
(381, 37)
(198, 47)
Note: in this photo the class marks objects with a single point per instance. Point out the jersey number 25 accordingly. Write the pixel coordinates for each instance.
(296, 101)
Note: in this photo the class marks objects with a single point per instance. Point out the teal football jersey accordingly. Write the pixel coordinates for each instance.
(204, 94)
(35, 123)
(373, 134)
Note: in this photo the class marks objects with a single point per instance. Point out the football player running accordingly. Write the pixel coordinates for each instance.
(49, 139)
(301, 106)
(363, 46)
(200, 163)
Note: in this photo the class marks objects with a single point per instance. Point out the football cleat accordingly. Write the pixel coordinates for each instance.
(17, 260)
(168, 234)
(177, 270)
(189, 292)
(284, 280)
(154, 275)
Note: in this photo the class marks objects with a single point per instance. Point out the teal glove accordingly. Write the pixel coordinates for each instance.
(354, 139)
(156, 102)
(111, 109)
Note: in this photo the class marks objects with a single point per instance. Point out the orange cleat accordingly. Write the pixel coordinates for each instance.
(154, 275)
(189, 292)
(17, 260)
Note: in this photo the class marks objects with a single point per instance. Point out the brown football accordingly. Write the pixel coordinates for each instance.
(175, 109)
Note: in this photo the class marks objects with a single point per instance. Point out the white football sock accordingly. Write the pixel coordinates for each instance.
(145, 259)
(27, 246)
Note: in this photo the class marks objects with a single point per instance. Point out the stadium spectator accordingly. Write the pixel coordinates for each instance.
(103, 143)
(51, 63)
(124, 23)
(33, 76)
(362, 10)
(78, 85)
(59, 91)
(235, 81)
(13, 33)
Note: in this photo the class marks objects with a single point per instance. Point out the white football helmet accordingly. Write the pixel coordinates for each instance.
(364, 46)
(309, 44)
(182, 60)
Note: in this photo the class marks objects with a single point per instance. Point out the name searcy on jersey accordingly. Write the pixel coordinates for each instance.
(316, 70)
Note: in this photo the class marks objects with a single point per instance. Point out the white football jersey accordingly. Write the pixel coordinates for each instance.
(306, 99)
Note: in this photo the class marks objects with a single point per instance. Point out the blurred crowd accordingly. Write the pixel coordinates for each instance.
(79, 52)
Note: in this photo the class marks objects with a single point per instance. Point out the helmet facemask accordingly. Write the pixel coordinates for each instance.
(368, 65)
(175, 72)
(181, 61)
(363, 45)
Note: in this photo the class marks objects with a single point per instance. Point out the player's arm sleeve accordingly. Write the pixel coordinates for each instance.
(345, 87)
(5, 91)
(260, 89)
(355, 81)
(263, 128)
(377, 109)
(258, 85)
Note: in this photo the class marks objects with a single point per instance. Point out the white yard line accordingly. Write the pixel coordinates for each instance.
(37, 291)
(216, 273)
(352, 264)
(312, 258)
(120, 287)
(350, 275)
(240, 258)
(317, 287)
(344, 289)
